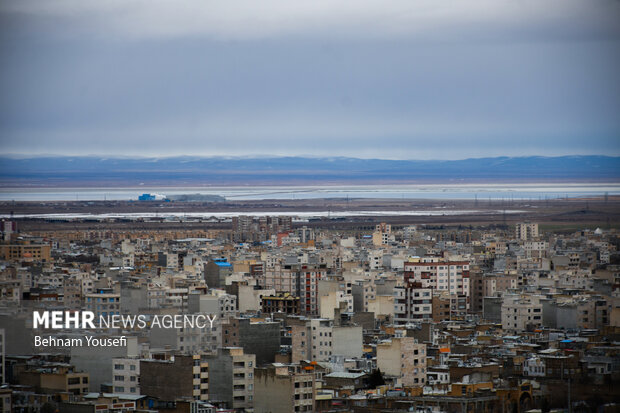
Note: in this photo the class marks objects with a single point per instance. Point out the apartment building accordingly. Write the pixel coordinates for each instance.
(300, 280)
(180, 377)
(232, 378)
(412, 303)
(217, 302)
(26, 251)
(520, 313)
(126, 375)
(259, 337)
(103, 302)
(526, 231)
(282, 388)
(404, 359)
(445, 276)
(52, 377)
(319, 339)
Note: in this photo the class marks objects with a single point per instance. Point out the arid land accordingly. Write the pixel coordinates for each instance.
(558, 214)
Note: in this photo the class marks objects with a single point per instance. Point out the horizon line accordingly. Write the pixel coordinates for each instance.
(20, 156)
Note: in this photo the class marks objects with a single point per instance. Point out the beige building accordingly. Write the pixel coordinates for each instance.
(381, 238)
(382, 306)
(25, 251)
(53, 378)
(519, 312)
(105, 303)
(403, 358)
(250, 298)
(526, 231)
(281, 388)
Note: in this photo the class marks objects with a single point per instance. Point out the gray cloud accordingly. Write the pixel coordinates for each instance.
(398, 79)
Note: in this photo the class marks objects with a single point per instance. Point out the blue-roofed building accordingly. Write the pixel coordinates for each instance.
(216, 272)
(146, 197)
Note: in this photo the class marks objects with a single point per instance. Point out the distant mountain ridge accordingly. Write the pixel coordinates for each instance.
(71, 170)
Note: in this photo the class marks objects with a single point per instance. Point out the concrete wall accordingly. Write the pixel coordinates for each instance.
(220, 378)
(382, 305)
(260, 339)
(167, 380)
(347, 341)
(18, 339)
(250, 299)
(492, 309)
(133, 300)
(272, 393)
(389, 358)
(566, 317)
(97, 361)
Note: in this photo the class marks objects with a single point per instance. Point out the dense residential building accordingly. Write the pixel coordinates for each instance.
(259, 337)
(300, 280)
(282, 388)
(232, 378)
(306, 316)
(526, 231)
(441, 275)
(521, 313)
(404, 359)
(175, 378)
(26, 250)
(280, 303)
(103, 302)
(126, 377)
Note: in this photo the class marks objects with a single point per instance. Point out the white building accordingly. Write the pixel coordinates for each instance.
(534, 367)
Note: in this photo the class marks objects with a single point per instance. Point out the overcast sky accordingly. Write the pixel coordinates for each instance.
(410, 79)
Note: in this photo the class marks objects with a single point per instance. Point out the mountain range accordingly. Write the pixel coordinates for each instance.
(91, 170)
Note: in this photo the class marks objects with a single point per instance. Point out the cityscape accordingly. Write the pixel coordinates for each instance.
(329, 207)
(323, 314)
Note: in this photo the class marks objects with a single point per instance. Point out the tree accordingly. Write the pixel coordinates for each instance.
(376, 379)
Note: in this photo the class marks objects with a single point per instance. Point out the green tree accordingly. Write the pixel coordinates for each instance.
(376, 379)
